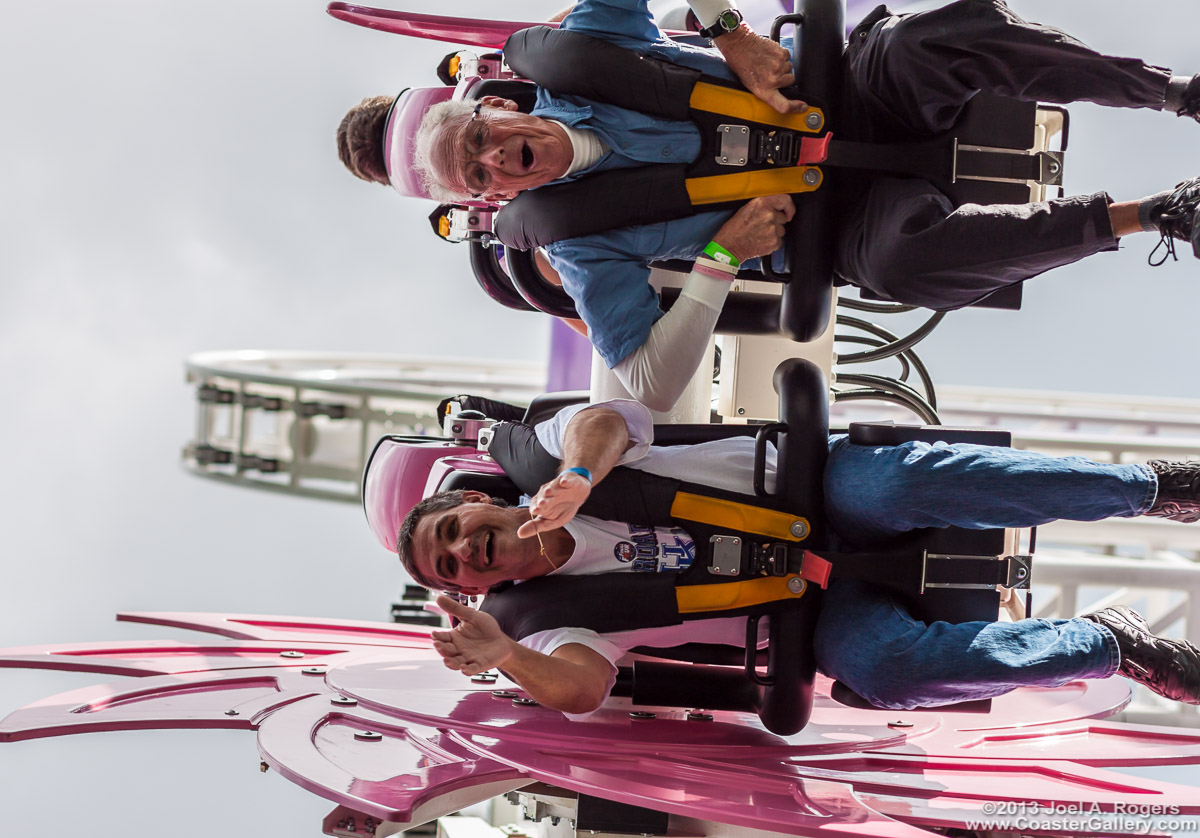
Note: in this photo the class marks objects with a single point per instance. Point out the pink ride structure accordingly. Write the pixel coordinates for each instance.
(365, 715)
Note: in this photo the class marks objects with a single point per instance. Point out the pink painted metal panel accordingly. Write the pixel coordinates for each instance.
(456, 30)
(295, 629)
(370, 719)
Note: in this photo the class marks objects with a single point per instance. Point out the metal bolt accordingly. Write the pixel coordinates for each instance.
(796, 585)
(1054, 167)
(724, 159)
(483, 678)
(291, 654)
(697, 716)
(744, 129)
(813, 120)
(313, 670)
(900, 723)
(741, 161)
(642, 714)
(799, 529)
(504, 694)
(741, 411)
(344, 701)
(524, 702)
(368, 735)
(231, 713)
(812, 177)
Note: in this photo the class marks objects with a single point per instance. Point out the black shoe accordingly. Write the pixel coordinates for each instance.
(1170, 668)
(1177, 219)
(1191, 99)
(1178, 495)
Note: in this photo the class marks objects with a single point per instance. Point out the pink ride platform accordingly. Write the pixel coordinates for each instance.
(365, 715)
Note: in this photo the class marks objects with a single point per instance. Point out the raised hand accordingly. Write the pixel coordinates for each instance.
(476, 644)
(757, 228)
(556, 503)
(762, 65)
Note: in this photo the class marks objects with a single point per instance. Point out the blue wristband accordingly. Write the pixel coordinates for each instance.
(581, 471)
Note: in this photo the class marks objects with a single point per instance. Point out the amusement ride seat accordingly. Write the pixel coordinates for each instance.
(945, 574)
(997, 153)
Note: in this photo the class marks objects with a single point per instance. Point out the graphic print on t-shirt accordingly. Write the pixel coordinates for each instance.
(652, 550)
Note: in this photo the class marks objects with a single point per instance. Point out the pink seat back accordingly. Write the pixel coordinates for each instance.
(395, 481)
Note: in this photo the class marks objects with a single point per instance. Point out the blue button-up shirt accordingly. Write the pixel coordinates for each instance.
(607, 273)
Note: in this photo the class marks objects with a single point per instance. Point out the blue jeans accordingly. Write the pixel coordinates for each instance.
(864, 637)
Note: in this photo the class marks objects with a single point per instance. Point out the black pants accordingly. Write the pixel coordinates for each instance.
(911, 75)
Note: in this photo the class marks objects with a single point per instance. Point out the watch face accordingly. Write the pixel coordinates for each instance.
(729, 19)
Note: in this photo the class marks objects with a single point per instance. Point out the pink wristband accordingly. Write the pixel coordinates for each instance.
(708, 267)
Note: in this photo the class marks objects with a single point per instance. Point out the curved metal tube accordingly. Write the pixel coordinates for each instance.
(492, 279)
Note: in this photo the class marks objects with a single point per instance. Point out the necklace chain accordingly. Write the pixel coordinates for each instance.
(542, 545)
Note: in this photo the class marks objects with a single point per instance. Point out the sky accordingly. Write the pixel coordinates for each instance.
(169, 184)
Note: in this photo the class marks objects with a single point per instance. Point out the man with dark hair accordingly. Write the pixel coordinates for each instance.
(467, 543)
(907, 75)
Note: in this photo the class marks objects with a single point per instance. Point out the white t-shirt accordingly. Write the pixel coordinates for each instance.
(605, 547)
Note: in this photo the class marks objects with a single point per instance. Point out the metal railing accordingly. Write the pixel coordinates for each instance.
(302, 423)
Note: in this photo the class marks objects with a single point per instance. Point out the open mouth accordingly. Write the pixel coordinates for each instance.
(526, 155)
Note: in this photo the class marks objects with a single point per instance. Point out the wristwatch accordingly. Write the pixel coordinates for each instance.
(726, 21)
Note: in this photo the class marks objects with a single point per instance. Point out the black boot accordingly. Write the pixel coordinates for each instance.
(1190, 100)
(1170, 668)
(1178, 495)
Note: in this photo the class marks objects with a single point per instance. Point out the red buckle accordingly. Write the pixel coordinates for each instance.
(814, 150)
(815, 569)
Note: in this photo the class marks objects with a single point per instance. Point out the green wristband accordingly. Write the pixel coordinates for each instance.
(717, 253)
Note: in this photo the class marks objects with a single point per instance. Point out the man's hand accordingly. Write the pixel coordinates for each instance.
(476, 644)
(762, 65)
(556, 503)
(757, 228)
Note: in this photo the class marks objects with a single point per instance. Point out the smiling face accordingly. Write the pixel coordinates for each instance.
(474, 545)
(500, 152)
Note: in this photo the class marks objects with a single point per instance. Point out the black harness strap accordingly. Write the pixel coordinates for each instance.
(618, 601)
(571, 63)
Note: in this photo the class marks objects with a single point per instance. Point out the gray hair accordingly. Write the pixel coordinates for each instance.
(435, 142)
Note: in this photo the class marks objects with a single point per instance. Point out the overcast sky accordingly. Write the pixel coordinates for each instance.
(169, 184)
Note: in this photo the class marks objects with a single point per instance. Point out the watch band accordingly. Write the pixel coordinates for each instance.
(726, 21)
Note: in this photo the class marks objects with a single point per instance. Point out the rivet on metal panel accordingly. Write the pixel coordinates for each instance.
(900, 723)
(504, 694)
(484, 678)
(231, 713)
(313, 670)
(344, 701)
(524, 702)
(698, 716)
(642, 714)
(291, 654)
(368, 735)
